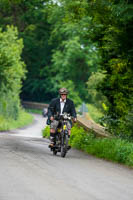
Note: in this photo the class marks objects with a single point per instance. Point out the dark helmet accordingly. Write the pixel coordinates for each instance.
(63, 91)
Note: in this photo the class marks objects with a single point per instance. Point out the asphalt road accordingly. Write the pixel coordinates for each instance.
(29, 171)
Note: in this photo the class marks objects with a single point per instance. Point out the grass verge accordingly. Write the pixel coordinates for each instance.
(10, 124)
(46, 132)
(113, 149)
(94, 113)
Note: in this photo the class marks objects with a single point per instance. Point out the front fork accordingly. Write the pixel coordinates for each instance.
(64, 136)
(63, 133)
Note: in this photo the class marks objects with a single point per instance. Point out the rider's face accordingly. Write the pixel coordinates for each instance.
(63, 96)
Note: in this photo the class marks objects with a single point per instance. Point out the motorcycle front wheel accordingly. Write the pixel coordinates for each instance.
(64, 146)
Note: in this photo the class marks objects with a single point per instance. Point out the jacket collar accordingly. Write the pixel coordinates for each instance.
(62, 101)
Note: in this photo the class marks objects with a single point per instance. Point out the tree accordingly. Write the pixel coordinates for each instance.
(12, 70)
(75, 55)
(116, 46)
(78, 44)
(30, 17)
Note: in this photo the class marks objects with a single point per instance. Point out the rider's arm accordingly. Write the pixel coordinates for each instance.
(51, 109)
(73, 111)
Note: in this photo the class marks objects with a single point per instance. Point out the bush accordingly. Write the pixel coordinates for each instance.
(122, 127)
(94, 113)
(114, 149)
(12, 71)
(3, 124)
(46, 132)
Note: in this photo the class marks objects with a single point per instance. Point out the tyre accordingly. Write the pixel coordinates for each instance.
(64, 145)
(63, 152)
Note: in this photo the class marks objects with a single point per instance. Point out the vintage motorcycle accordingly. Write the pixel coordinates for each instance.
(61, 136)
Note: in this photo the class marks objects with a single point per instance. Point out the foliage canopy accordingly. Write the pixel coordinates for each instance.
(84, 45)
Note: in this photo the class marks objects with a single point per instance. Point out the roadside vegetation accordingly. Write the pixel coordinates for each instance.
(94, 113)
(12, 72)
(46, 132)
(112, 149)
(24, 119)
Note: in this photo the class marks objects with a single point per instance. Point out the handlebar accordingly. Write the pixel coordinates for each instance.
(64, 116)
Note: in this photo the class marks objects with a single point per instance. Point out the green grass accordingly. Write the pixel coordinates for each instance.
(113, 149)
(94, 113)
(46, 132)
(10, 124)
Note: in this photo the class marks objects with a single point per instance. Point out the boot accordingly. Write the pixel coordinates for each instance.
(52, 140)
(69, 147)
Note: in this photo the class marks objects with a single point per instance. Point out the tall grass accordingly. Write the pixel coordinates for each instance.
(113, 149)
(23, 119)
(94, 113)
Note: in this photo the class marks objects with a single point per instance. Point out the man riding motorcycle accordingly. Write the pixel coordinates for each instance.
(59, 106)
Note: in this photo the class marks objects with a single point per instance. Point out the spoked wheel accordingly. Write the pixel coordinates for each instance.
(64, 146)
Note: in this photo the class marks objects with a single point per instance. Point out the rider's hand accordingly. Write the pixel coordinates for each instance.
(52, 118)
(75, 119)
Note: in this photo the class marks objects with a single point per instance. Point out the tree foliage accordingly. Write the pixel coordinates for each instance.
(117, 53)
(84, 45)
(12, 70)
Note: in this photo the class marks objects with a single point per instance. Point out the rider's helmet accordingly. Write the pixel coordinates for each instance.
(63, 91)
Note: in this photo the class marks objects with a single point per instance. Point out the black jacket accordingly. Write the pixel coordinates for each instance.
(54, 108)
